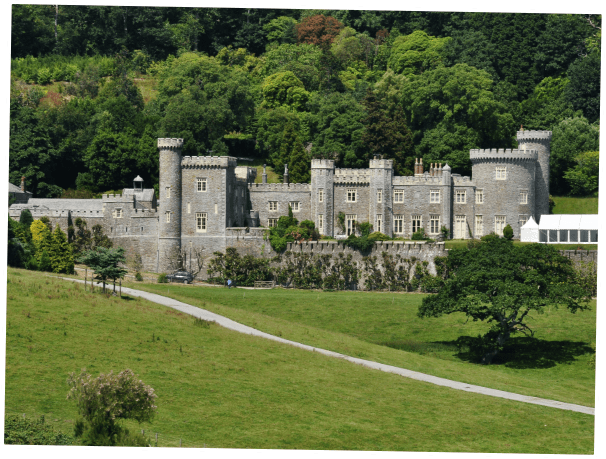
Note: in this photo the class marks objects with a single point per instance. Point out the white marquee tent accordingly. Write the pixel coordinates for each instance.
(553, 229)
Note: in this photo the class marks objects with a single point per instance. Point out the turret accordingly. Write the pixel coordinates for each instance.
(169, 228)
(541, 142)
(322, 194)
(447, 202)
(381, 182)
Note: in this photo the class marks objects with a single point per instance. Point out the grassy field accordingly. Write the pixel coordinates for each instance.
(384, 327)
(223, 389)
(568, 205)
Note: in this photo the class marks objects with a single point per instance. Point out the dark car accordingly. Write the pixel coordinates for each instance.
(180, 276)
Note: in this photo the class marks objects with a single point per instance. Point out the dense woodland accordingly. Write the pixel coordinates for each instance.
(93, 87)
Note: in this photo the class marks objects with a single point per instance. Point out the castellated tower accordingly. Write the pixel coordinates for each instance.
(381, 195)
(539, 141)
(505, 188)
(169, 209)
(322, 194)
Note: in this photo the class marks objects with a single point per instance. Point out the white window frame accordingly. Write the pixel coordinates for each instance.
(350, 224)
(295, 206)
(167, 192)
(434, 196)
(461, 196)
(479, 196)
(352, 195)
(272, 222)
(379, 224)
(321, 195)
(117, 213)
(398, 224)
(501, 173)
(479, 226)
(523, 197)
(201, 185)
(434, 228)
(273, 206)
(416, 222)
(380, 196)
(398, 196)
(201, 222)
(500, 222)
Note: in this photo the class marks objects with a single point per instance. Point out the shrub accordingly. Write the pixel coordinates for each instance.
(104, 401)
(508, 232)
(138, 277)
(23, 431)
(162, 279)
(44, 76)
(60, 253)
(419, 235)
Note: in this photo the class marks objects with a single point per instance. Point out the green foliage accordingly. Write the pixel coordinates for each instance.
(25, 218)
(583, 178)
(501, 283)
(416, 53)
(241, 270)
(583, 92)
(281, 30)
(284, 89)
(22, 431)
(508, 232)
(162, 279)
(106, 400)
(105, 263)
(586, 275)
(419, 235)
(138, 277)
(60, 253)
(300, 165)
(288, 229)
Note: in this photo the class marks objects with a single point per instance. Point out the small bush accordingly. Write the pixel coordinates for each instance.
(44, 76)
(138, 277)
(419, 235)
(202, 323)
(23, 431)
(162, 279)
(508, 232)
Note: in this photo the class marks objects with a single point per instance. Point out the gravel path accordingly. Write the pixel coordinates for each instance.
(230, 324)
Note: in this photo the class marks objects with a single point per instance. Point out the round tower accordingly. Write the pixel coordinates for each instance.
(169, 209)
(541, 142)
(322, 186)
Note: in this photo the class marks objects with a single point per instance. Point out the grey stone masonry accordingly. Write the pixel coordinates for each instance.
(169, 227)
(540, 141)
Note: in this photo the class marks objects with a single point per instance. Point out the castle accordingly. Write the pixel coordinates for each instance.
(210, 203)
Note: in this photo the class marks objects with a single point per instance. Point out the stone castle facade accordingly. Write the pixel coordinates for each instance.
(211, 203)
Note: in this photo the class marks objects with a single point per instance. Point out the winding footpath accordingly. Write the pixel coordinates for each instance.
(231, 325)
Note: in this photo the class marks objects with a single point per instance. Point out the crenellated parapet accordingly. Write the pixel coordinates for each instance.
(381, 164)
(534, 135)
(416, 180)
(322, 164)
(208, 162)
(404, 248)
(352, 177)
(144, 213)
(279, 187)
(170, 144)
(502, 155)
(462, 181)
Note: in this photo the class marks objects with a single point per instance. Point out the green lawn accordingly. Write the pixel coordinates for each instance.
(224, 389)
(384, 327)
(568, 205)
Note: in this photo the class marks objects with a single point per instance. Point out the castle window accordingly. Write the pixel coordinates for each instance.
(499, 223)
(117, 213)
(273, 206)
(201, 184)
(201, 222)
(501, 173)
(434, 196)
(523, 220)
(479, 196)
(460, 196)
(351, 195)
(216, 209)
(167, 192)
(321, 223)
(398, 196)
(434, 224)
(168, 217)
(479, 226)
(295, 206)
(189, 207)
(379, 195)
(350, 222)
(272, 222)
(320, 195)
(523, 197)
(416, 223)
(379, 223)
(398, 224)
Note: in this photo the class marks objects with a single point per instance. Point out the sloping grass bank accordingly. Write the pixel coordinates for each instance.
(225, 389)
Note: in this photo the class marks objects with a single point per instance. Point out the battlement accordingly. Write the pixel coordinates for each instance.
(392, 247)
(281, 187)
(416, 180)
(462, 181)
(353, 176)
(144, 213)
(534, 135)
(503, 155)
(129, 198)
(381, 164)
(169, 144)
(246, 174)
(223, 162)
(322, 164)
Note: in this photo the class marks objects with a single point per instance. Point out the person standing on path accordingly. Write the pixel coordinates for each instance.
(228, 283)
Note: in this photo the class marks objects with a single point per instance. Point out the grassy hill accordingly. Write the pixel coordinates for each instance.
(571, 205)
(223, 389)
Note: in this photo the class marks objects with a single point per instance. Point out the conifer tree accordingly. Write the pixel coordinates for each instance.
(299, 163)
(43, 241)
(62, 260)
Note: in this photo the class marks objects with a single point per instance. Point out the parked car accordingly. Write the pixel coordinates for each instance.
(180, 276)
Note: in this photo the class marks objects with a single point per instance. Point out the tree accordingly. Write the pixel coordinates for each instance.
(25, 218)
(508, 232)
(318, 30)
(105, 263)
(583, 92)
(284, 88)
(281, 30)
(583, 178)
(416, 53)
(43, 241)
(107, 399)
(190, 260)
(60, 253)
(292, 149)
(501, 283)
(100, 239)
